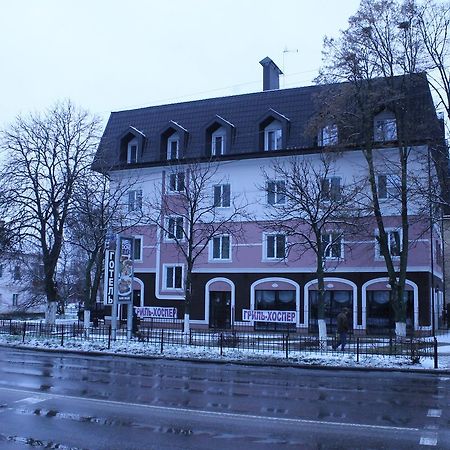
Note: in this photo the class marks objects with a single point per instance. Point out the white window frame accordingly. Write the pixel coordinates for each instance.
(330, 195)
(138, 243)
(221, 196)
(279, 192)
(275, 130)
(266, 238)
(174, 138)
(132, 155)
(389, 231)
(385, 128)
(392, 184)
(15, 299)
(328, 135)
(334, 238)
(222, 134)
(220, 239)
(135, 200)
(176, 227)
(176, 182)
(166, 268)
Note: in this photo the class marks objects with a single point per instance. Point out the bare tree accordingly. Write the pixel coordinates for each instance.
(186, 210)
(314, 211)
(97, 207)
(379, 55)
(46, 155)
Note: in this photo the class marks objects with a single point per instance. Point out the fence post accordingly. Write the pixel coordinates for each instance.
(287, 345)
(190, 336)
(62, 335)
(221, 344)
(24, 331)
(162, 340)
(10, 326)
(357, 350)
(435, 346)
(109, 337)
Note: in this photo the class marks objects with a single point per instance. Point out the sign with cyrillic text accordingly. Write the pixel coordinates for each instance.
(252, 315)
(156, 312)
(108, 298)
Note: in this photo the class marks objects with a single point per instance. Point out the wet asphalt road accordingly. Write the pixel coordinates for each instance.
(64, 401)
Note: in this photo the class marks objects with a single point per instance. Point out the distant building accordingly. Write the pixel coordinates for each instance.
(244, 135)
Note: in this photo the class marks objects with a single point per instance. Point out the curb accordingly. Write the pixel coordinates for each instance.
(253, 363)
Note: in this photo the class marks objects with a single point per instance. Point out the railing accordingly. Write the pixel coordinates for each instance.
(288, 344)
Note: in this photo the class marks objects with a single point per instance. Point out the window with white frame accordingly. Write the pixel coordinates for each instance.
(222, 195)
(275, 246)
(135, 200)
(385, 127)
(276, 192)
(132, 151)
(173, 277)
(273, 136)
(332, 245)
(173, 147)
(220, 247)
(1, 270)
(176, 182)
(328, 135)
(394, 242)
(17, 273)
(218, 141)
(15, 299)
(174, 228)
(137, 249)
(388, 186)
(331, 189)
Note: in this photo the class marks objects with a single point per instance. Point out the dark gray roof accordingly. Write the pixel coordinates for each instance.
(245, 112)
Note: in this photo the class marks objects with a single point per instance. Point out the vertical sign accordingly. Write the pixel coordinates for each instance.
(108, 298)
(125, 275)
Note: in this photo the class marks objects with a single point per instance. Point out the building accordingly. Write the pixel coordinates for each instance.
(19, 290)
(155, 149)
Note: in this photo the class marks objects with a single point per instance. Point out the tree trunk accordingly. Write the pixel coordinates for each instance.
(321, 320)
(187, 301)
(50, 313)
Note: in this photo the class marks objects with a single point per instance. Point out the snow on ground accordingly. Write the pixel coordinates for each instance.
(330, 359)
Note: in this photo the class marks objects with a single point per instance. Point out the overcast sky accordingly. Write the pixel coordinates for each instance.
(109, 55)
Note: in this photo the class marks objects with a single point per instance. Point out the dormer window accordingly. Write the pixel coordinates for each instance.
(328, 135)
(273, 136)
(385, 127)
(132, 152)
(218, 142)
(173, 147)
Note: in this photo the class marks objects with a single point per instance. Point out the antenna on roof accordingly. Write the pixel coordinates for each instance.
(286, 50)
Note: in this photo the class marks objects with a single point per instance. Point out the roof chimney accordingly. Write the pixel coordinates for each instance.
(271, 74)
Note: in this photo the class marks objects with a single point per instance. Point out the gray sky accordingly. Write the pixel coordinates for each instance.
(108, 55)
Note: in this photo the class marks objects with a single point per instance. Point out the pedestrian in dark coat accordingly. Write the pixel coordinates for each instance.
(342, 328)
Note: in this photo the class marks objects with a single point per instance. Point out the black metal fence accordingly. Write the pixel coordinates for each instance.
(286, 344)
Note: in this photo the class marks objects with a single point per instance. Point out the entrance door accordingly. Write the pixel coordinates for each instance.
(220, 309)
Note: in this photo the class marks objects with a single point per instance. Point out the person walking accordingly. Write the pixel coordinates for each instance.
(342, 328)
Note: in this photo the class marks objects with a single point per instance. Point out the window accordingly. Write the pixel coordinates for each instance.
(17, 275)
(394, 242)
(385, 128)
(1, 270)
(387, 186)
(332, 245)
(331, 189)
(15, 299)
(135, 201)
(275, 246)
(132, 152)
(222, 196)
(173, 277)
(176, 182)
(173, 147)
(328, 135)
(218, 140)
(175, 228)
(273, 136)
(137, 250)
(276, 192)
(221, 247)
